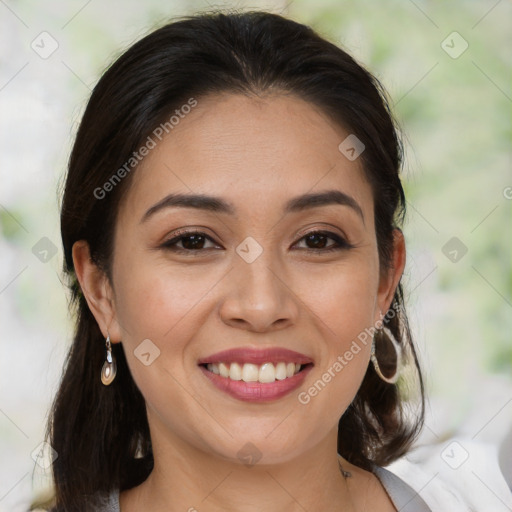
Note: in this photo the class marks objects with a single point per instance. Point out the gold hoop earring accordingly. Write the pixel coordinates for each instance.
(398, 350)
(109, 370)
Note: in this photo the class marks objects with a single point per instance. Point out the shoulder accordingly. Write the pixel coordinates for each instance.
(103, 502)
(109, 502)
(403, 496)
(459, 475)
(379, 489)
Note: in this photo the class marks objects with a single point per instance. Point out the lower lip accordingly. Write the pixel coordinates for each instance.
(257, 391)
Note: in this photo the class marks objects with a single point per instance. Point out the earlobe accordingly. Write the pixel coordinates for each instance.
(389, 282)
(97, 290)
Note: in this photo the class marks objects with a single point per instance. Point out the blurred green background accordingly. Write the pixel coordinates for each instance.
(454, 105)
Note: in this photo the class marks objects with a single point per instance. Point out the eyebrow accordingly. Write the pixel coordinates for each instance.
(219, 205)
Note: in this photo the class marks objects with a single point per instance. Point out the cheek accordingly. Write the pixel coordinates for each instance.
(153, 299)
(343, 297)
(166, 305)
(157, 309)
(344, 305)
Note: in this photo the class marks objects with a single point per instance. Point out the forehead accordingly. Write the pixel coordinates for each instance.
(255, 151)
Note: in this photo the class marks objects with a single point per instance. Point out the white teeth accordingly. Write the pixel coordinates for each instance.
(223, 370)
(267, 373)
(235, 371)
(213, 368)
(250, 372)
(281, 371)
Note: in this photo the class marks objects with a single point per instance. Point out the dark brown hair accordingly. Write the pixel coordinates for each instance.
(101, 433)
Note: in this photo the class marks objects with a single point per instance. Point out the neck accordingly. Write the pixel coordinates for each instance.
(185, 478)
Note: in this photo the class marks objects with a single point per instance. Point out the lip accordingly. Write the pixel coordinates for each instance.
(257, 391)
(257, 356)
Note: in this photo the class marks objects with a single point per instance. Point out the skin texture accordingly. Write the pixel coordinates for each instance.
(257, 153)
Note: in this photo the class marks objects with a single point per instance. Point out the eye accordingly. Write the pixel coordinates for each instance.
(191, 241)
(195, 241)
(317, 241)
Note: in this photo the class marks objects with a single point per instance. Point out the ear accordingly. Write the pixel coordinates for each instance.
(391, 277)
(97, 290)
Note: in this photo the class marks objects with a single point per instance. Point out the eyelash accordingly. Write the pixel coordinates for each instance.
(341, 243)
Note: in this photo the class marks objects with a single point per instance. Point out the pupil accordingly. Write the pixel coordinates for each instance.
(195, 241)
(314, 236)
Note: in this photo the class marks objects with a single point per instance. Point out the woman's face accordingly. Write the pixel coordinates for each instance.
(255, 278)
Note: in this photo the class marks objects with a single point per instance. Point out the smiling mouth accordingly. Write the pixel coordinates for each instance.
(249, 372)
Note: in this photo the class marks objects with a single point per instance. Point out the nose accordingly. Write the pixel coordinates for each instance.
(259, 298)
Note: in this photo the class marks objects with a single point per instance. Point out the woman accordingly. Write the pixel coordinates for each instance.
(231, 230)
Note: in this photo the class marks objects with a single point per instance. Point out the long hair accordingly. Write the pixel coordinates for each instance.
(100, 433)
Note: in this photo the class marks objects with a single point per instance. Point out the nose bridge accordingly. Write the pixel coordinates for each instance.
(256, 260)
(257, 279)
(258, 299)
(259, 276)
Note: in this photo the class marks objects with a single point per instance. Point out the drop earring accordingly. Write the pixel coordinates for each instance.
(109, 370)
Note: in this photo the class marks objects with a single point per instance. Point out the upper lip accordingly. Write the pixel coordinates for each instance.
(257, 356)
